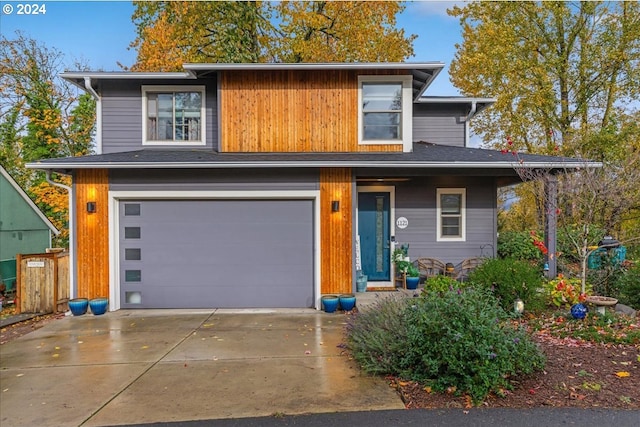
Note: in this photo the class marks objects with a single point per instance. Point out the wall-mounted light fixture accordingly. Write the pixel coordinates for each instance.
(335, 206)
(91, 207)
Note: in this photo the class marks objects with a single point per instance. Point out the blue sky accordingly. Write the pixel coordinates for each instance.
(99, 32)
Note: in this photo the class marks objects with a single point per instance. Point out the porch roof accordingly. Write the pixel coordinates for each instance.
(424, 156)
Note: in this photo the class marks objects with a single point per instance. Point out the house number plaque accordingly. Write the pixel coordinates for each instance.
(402, 223)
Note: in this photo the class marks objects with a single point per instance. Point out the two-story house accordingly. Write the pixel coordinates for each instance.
(254, 185)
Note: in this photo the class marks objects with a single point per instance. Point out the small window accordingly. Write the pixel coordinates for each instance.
(132, 232)
(173, 115)
(385, 110)
(132, 275)
(451, 214)
(134, 297)
(132, 209)
(132, 254)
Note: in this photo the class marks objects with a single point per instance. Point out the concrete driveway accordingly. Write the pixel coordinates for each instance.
(148, 366)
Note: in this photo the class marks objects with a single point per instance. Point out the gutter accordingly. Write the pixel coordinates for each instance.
(89, 88)
(309, 164)
(72, 252)
(472, 112)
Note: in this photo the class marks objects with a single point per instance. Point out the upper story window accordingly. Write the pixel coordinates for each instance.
(173, 115)
(450, 208)
(385, 110)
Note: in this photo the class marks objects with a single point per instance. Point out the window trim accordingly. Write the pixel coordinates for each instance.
(407, 110)
(463, 208)
(174, 88)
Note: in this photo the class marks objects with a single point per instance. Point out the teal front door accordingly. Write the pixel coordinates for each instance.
(374, 228)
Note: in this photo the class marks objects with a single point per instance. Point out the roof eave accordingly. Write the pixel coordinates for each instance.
(313, 164)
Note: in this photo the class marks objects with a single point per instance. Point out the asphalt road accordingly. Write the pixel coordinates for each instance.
(538, 417)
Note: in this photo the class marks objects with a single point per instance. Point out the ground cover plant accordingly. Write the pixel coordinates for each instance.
(459, 340)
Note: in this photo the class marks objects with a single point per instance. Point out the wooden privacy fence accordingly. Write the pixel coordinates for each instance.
(42, 283)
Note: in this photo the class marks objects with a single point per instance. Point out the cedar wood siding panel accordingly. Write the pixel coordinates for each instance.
(122, 113)
(416, 201)
(336, 231)
(292, 111)
(92, 233)
(439, 124)
(213, 180)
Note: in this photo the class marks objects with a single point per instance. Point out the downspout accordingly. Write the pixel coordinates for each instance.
(472, 113)
(92, 91)
(72, 252)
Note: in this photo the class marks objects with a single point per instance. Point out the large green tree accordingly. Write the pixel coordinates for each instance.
(560, 70)
(41, 116)
(566, 76)
(172, 33)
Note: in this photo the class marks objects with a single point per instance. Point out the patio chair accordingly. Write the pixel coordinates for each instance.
(463, 269)
(429, 267)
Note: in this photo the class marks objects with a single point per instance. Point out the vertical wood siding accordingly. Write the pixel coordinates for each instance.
(336, 231)
(291, 111)
(92, 233)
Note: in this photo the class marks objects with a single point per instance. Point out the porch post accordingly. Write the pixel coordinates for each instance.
(551, 223)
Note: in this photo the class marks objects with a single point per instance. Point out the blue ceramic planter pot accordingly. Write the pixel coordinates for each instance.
(99, 306)
(412, 282)
(578, 311)
(347, 302)
(330, 303)
(78, 306)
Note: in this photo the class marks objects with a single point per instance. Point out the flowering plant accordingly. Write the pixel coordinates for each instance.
(401, 259)
(538, 243)
(564, 291)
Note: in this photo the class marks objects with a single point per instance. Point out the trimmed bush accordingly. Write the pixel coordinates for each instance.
(457, 339)
(510, 279)
(518, 245)
(440, 283)
(629, 287)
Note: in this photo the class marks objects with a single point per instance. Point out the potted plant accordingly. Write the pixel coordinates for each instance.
(413, 277)
(401, 260)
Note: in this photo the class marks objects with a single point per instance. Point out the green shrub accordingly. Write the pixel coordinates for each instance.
(440, 283)
(629, 286)
(377, 336)
(453, 339)
(510, 279)
(518, 245)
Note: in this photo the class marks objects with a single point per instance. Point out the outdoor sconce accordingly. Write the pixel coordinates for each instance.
(335, 206)
(91, 207)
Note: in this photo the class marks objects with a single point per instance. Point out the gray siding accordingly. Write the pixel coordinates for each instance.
(439, 124)
(122, 113)
(213, 180)
(416, 200)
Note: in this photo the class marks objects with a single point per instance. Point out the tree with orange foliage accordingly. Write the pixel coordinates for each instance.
(176, 32)
(41, 117)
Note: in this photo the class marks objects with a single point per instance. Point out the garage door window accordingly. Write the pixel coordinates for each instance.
(132, 209)
(133, 275)
(131, 254)
(132, 232)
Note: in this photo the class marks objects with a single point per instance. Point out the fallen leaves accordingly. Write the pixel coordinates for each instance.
(622, 374)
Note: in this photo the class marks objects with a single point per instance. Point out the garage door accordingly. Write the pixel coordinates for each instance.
(216, 253)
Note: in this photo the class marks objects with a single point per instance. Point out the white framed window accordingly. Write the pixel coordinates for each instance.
(173, 115)
(385, 110)
(451, 207)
